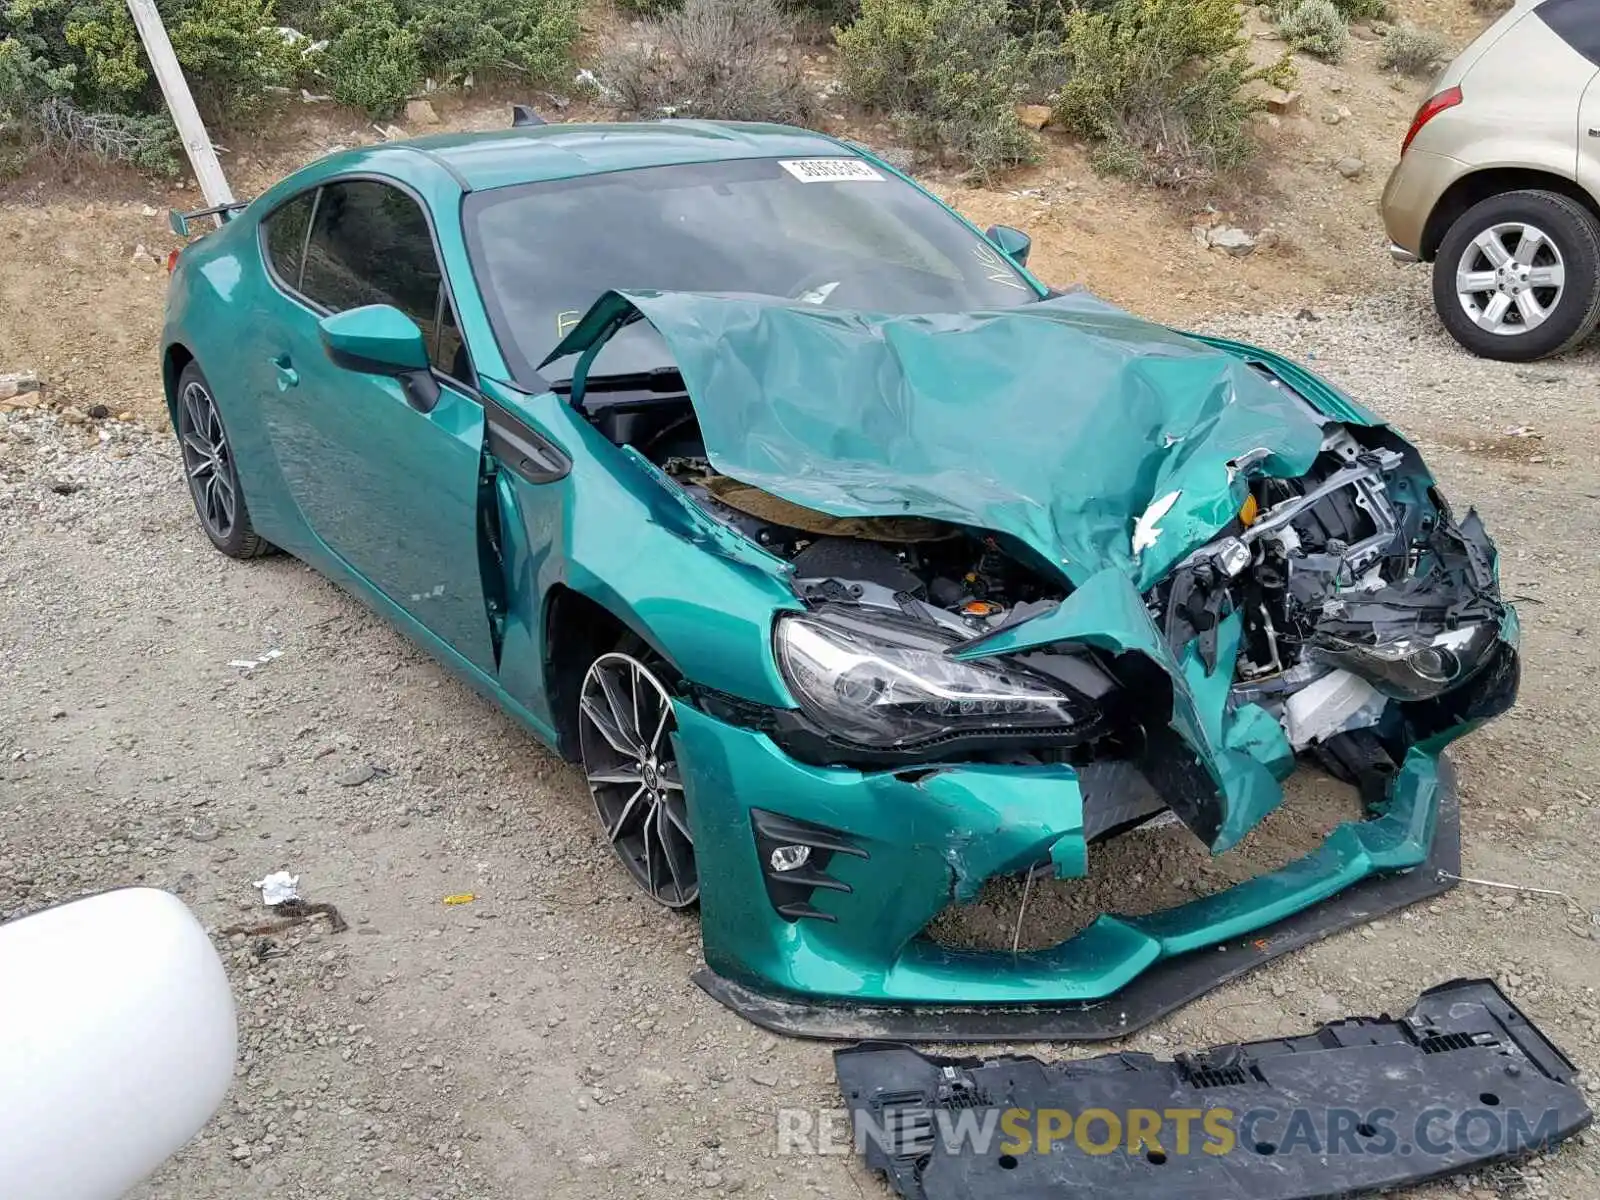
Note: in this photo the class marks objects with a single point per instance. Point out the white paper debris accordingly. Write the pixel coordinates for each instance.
(278, 887)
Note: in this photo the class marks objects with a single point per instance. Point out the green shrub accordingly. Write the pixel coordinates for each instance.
(716, 59)
(1316, 27)
(1413, 51)
(649, 8)
(949, 72)
(230, 51)
(379, 52)
(73, 74)
(1161, 86)
(1365, 10)
(372, 60)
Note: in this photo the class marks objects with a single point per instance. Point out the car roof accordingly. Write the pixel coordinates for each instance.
(539, 153)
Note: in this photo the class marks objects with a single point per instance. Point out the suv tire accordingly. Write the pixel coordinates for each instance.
(1486, 294)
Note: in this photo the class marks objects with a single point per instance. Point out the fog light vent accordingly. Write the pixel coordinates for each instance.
(794, 858)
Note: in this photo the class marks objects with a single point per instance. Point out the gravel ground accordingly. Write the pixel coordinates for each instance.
(545, 1039)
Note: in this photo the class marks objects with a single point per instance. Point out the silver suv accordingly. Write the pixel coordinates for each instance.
(1498, 184)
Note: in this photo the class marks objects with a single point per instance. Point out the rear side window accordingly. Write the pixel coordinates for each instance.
(286, 237)
(370, 245)
(1577, 22)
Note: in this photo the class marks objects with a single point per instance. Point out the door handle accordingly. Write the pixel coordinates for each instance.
(288, 377)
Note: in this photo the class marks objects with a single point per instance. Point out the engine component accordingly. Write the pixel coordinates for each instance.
(855, 559)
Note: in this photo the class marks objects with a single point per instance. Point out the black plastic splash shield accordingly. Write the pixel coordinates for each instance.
(1167, 986)
(1364, 1104)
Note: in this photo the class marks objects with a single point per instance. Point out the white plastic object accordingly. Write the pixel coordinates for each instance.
(1337, 702)
(117, 1039)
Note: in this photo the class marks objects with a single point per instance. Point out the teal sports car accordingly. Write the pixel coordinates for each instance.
(855, 567)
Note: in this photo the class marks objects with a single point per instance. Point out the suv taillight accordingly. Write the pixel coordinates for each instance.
(1431, 108)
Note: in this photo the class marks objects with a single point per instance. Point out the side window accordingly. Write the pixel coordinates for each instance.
(449, 352)
(286, 237)
(370, 245)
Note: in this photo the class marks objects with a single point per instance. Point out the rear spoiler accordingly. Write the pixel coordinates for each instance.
(223, 212)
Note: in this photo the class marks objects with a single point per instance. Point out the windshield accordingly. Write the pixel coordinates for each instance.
(834, 232)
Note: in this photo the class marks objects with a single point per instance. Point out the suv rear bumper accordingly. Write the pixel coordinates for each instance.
(1410, 196)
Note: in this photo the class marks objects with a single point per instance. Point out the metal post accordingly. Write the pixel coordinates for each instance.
(196, 143)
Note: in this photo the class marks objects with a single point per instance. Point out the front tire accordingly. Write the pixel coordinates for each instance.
(625, 724)
(1517, 277)
(209, 467)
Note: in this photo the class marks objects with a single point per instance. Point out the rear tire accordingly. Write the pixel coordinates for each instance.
(1517, 277)
(209, 468)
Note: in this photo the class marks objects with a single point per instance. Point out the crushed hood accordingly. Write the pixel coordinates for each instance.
(1095, 439)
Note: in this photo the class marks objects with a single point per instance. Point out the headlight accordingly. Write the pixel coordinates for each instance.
(888, 685)
(1413, 668)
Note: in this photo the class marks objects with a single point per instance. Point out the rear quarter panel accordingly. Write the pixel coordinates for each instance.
(214, 293)
(1521, 86)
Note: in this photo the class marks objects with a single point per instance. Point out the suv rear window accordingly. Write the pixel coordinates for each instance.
(1576, 22)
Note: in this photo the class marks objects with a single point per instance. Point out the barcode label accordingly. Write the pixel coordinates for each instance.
(830, 170)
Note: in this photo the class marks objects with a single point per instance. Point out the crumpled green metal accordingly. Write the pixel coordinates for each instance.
(1058, 423)
(1105, 447)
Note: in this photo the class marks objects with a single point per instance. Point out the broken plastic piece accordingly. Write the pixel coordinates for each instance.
(278, 887)
(250, 664)
(460, 898)
(1363, 1104)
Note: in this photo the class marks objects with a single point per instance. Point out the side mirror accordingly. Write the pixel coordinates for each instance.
(1013, 243)
(379, 339)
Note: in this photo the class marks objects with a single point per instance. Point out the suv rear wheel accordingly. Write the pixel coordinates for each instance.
(1517, 277)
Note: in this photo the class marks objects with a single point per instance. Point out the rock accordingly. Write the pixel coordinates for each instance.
(356, 775)
(1280, 101)
(1231, 240)
(1331, 117)
(1350, 167)
(1268, 238)
(764, 1078)
(1305, 314)
(57, 713)
(18, 383)
(420, 112)
(64, 487)
(140, 253)
(98, 412)
(1364, 33)
(1034, 116)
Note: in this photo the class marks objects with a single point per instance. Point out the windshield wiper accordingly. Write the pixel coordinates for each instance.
(657, 379)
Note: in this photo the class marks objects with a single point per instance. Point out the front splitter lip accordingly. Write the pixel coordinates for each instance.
(1162, 989)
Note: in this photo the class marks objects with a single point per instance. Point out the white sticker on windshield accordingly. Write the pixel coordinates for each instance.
(830, 170)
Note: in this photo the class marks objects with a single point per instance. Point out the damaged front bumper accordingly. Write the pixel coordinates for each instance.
(1362, 1105)
(818, 882)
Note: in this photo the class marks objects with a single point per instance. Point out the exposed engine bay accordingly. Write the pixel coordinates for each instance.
(1361, 600)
